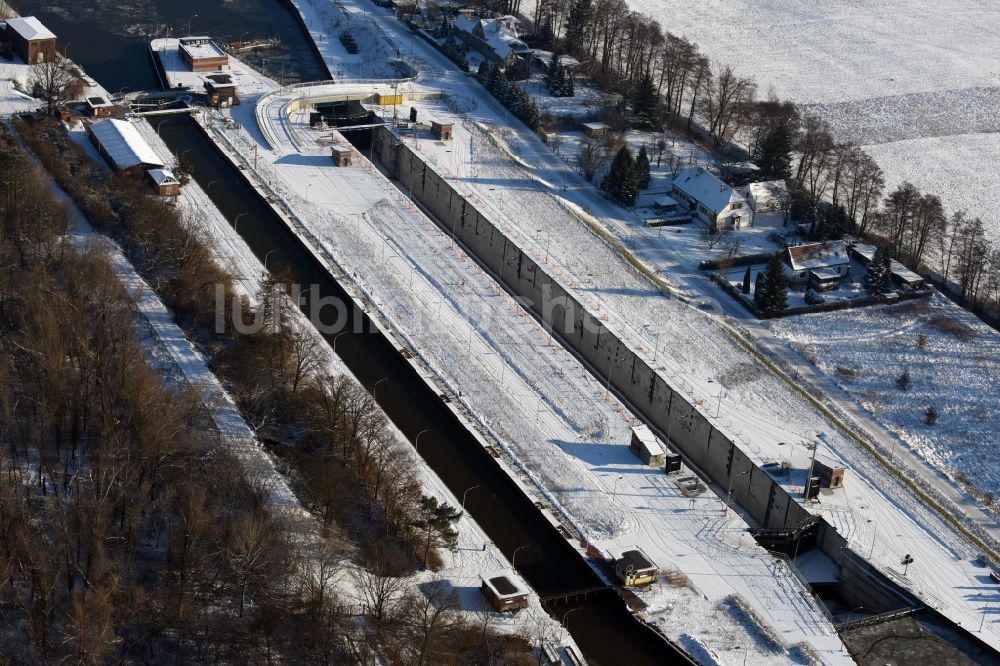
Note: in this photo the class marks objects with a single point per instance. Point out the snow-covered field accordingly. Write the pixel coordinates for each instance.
(865, 350)
(837, 50)
(962, 170)
(880, 71)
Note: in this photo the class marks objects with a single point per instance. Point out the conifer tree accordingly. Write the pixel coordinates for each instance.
(621, 183)
(578, 22)
(878, 276)
(775, 152)
(746, 281)
(645, 100)
(771, 294)
(642, 168)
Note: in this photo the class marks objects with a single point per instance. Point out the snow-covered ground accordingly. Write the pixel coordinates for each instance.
(758, 412)
(917, 72)
(842, 49)
(555, 420)
(876, 512)
(954, 365)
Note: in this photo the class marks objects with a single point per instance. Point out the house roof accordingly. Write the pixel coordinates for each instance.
(501, 40)
(98, 101)
(163, 176)
(816, 255)
(504, 584)
(201, 47)
(123, 144)
(30, 28)
(596, 125)
(706, 189)
(637, 560)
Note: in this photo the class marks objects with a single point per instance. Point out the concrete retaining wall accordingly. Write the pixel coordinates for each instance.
(660, 405)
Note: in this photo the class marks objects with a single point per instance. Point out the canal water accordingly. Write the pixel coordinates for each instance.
(110, 42)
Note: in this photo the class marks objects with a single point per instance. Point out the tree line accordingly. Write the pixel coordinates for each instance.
(238, 586)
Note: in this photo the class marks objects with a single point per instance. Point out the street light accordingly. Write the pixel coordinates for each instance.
(237, 220)
(614, 493)
(189, 23)
(466, 494)
(335, 343)
(66, 50)
(513, 557)
(416, 440)
(266, 256)
(210, 183)
(375, 388)
(158, 127)
(566, 615)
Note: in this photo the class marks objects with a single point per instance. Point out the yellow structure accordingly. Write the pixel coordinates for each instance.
(635, 569)
(388, 99)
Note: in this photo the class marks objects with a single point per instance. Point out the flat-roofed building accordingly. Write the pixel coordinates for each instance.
(30, 40)
(99, 106)
(201, 54)
(220, 90)
(504, 591)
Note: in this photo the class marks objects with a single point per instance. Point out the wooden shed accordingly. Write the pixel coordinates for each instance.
(163, 182)
(29, 39)
(504, 591)
(341, 155)
(647, 446)
(596, 129)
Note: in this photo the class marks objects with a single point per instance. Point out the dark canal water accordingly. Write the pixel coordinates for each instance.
(110, 42)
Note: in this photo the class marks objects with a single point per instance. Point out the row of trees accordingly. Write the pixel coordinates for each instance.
(511, 95)
(354, 475)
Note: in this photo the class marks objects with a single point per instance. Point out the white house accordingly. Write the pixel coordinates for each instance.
(711, 200)
(822, 265)
(495, 38)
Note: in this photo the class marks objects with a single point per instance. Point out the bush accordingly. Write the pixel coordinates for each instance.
(930, 415)
(903, 381)
(947, 324)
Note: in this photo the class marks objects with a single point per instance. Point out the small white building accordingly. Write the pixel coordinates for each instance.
(711, 200)
(822, 265)
(504, 591)
(647, 446)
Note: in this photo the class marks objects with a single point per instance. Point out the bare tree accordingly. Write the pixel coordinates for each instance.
(53, 82)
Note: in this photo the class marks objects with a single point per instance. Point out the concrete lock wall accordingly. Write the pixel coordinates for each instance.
(663, 407)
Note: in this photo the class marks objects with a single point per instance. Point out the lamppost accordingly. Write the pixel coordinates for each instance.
(158, 127)
(66, 50)
(466, 494)
(614, 492)
(513, 557)
(416, 440)
(266, 258)
(210, 183)
(906, 562)
(237, 220)
(335, 338)
(565, 622)
(193, 16)
(375, 388)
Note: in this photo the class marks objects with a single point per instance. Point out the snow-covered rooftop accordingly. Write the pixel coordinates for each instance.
(505, 584)
(813, 256)
(162, 176)
(706, 189)
(123, 144)
(201, 47)
(30, 28)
